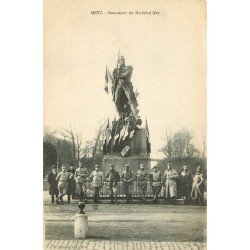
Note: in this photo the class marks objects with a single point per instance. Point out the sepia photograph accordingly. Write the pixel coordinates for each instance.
(124, 124)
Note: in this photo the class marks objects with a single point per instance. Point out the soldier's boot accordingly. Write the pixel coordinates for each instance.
(85, 197)
(95, 198)
(52, 198)
(127, 199)
(173, 200)
(61, 199)
(144, 200)
(112, 197)
(197, 200)
(98, 198)
(201, 201)
(130, 198)
(81, 196)
(68, 199)
(154, 199)
(57, 202)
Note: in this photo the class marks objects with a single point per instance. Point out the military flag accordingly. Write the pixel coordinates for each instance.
(114, 124)
(132, 133)
(126, 133)
(108, 81)
(117, 133)
(148, 139)
(108, 133)
(122, 132)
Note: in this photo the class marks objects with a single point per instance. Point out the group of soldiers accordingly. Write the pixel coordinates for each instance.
(168, 184)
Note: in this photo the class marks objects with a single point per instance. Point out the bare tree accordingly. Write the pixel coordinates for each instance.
(76, 143)
(167, 149)
(88, 148)
(99, 133)
(179, 144)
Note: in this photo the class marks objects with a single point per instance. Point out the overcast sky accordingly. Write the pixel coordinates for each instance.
(167, 52)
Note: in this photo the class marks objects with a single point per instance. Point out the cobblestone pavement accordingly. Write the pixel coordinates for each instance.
(117, 245)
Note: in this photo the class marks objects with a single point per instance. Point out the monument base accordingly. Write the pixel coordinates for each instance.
(119, 163)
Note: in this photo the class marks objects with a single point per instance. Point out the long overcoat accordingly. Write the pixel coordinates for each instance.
(185, 183)
(169, 183)
(53, 189)
(72, 183)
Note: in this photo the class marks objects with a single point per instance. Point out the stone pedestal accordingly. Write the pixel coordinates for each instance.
(81, 226)
(119, 163)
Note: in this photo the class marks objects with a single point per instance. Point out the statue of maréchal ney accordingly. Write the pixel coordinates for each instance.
(125, 137)
(122, 90)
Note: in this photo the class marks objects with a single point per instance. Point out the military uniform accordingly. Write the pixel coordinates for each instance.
(141, 176)
(97, 182)
(155, 179)
(81, 175)
(170, 185)
(72, 185)
(53, 189)
(113, 178)
(198, 187)
(124, 94)
(185, 185)
(127, 179)
(63, 182)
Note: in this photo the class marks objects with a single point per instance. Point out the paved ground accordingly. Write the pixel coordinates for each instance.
(135, 226)
(87, 244)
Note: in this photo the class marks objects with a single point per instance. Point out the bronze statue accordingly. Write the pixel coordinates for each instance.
(124, 136)
(122, 90)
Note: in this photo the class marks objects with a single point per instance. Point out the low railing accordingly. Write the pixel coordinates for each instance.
(104, 192)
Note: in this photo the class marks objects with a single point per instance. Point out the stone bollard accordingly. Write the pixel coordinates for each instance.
(81, 223)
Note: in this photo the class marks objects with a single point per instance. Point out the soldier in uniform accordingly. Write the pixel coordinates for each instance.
(198, 186)
(53, 189)
(169, 179)
(123, 93)
(127, 179)
(81, 175)
(63, 182)
(142, 178)
(185, 184)
(113, 177)
(72, 183)
(155, 180)
(97, 179)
